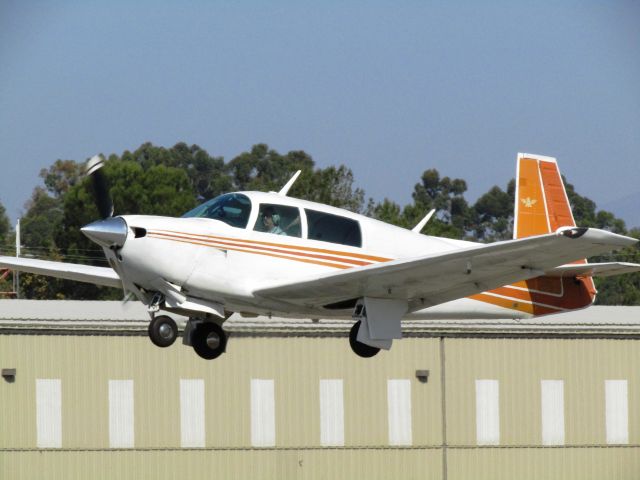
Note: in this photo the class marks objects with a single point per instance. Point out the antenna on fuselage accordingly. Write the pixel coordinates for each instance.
(283, 191)
(418, 228)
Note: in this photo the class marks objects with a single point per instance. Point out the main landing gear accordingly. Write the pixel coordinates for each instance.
(361, 349)
(207, 338)
(377, 324)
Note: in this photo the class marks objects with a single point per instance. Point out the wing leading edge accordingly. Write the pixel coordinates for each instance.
(434, 279)
(69, 271)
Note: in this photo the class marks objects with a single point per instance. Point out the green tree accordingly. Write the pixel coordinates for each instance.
(620, 289)
(586, 214)
(331, 186)
(5, 249)
(493, 214)
(389, 212)
(207, 174)
(37, 227)
(453, 217)
(5, 226)
(264, 169)
(61, 176)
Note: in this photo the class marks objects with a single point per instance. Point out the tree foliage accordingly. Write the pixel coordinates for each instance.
(5, 226)
(5, 233)
(621, 289)
(170, 181)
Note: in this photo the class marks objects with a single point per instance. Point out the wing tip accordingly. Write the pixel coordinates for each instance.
(598, 236)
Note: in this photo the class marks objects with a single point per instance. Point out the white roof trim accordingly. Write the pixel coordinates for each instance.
(112, 318)
(534, 156)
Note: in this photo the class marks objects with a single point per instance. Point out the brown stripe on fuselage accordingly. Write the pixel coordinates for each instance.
(514, 304)
(297, 259)
(275, 250)
(281, 245)
(576, 293)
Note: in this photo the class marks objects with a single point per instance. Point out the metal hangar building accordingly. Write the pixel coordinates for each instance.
(85, 394)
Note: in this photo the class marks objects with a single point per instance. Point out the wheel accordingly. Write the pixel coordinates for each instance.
(209, 340)
(163, 331)
(359, 348)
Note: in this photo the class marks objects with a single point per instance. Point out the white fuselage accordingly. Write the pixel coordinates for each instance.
(209, 260)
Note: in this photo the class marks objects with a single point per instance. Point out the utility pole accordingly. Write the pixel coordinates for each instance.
(16, 274)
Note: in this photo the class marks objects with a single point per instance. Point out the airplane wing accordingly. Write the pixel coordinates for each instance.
(607, 269)
(69, 271)
(438, 278)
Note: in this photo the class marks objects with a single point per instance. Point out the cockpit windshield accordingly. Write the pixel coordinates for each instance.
(230, 208)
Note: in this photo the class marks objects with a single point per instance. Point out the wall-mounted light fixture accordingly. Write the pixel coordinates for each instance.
(9, 374)
(422, 376)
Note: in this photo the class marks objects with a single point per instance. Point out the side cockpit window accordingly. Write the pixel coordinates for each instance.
(333, 228)
(231, 208)
(279, 220)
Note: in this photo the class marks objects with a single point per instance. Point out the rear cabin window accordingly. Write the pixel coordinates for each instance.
(279, 220)
(332, 228)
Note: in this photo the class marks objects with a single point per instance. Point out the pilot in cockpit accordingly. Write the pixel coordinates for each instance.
(271, 221)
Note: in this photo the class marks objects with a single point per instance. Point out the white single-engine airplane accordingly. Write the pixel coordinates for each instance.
(266, 253)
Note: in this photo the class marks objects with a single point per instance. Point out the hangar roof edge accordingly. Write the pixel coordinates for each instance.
(116, 318)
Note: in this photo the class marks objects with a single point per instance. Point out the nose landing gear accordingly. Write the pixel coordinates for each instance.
(207, 338)
(163, 331)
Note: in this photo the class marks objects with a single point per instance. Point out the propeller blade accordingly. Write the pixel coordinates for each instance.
(100, 186)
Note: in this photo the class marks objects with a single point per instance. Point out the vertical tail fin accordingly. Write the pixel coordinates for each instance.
(542, 206)
(541, 203)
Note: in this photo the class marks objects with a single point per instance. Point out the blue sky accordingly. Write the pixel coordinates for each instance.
(387, 88)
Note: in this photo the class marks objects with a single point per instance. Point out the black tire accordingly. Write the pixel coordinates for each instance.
(359, 348)
(203, 336)
(163, 331)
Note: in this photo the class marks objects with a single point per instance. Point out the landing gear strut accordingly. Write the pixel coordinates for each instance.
(359, 348)
(209, 340)
(163, 331)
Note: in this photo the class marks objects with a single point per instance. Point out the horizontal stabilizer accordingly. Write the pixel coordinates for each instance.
(593, 269)
(69, 271)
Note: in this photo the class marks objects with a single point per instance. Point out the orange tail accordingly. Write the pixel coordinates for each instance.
(541, 206)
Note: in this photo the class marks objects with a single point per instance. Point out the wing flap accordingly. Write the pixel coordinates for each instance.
(69, 271)
(437, 278)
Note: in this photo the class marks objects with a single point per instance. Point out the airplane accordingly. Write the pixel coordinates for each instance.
(260, 253)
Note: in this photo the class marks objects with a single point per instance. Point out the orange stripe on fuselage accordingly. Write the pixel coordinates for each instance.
(297, 259)
(281, 245)
(275, 250)
(514, 304)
